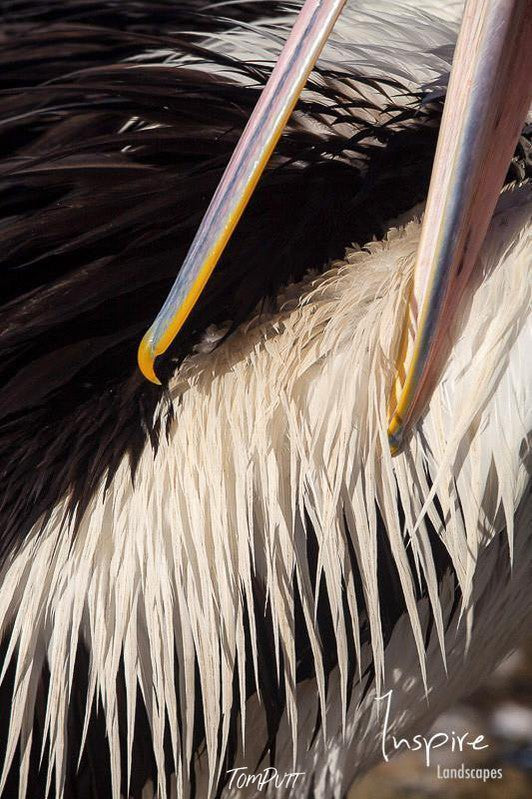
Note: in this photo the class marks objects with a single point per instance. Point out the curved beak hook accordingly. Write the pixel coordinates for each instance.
(489, 95)
(300, 53)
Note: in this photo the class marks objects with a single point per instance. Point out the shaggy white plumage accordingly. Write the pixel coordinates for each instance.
(287, 416)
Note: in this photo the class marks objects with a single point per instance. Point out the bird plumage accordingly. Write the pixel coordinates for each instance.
(171, 561)
(108, 166)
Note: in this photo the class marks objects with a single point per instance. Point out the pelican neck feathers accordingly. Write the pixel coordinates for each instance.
(278, 432)
(238, 562)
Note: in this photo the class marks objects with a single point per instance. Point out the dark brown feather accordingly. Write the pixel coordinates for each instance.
(92, 234)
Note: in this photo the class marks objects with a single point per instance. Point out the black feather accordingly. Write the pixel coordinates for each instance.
(97, 215)
(96, 220)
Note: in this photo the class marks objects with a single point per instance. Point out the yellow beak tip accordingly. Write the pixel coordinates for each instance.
(395, 436)
(146, 362)
(394, 449)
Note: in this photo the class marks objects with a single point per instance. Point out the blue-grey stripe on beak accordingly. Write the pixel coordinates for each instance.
(310, 32)
(489, 95)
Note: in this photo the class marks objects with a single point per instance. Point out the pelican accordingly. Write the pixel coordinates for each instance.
(308, 531)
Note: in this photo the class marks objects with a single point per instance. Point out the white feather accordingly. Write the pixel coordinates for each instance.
(289, 416)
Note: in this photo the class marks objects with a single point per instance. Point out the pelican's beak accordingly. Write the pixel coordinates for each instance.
(300, 53)
(487, 101)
